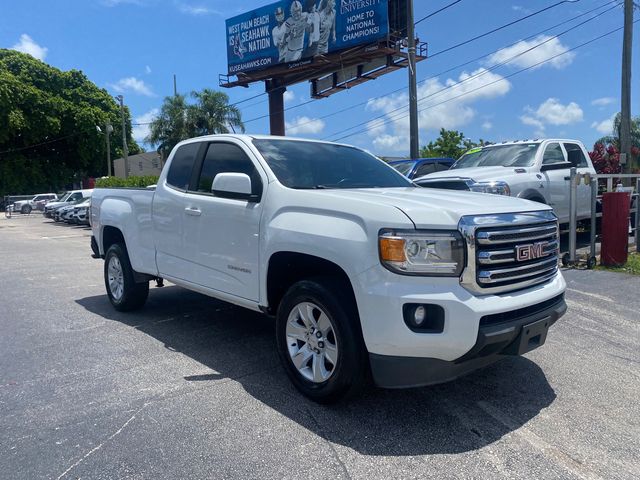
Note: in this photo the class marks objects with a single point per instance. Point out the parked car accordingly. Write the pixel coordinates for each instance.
(26, 206)
(67, 199)
(363, 270)
(535, 170)
(422, 166)
(80, 214)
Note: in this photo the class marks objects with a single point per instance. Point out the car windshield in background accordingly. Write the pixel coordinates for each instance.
(403, 167)
(64, 197)
(309, 165)
(522, 155)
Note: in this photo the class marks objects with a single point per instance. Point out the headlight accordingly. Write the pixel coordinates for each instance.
(497, 188)
(438, 253)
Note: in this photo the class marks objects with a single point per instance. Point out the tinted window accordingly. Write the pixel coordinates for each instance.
(304, 165)
(553, 154)
(440, 167)
(572, 147)
(522, 155)
(181, 166)
(75, 196)
(403, 167)
(425, 169)
(227, 158)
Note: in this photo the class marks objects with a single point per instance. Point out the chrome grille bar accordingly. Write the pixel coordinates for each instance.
(519, 235)
(495, 257)
(515, 273)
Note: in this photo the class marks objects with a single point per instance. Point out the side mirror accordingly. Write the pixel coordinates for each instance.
(556, 166)
(232, 185)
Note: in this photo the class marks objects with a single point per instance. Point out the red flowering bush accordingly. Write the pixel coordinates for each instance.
(605, 159)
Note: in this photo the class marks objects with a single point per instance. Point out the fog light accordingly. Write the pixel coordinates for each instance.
(419, 315)
(424, 317)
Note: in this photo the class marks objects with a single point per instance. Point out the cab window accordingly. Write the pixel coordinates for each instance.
(572, 147)
(227, 158)
(553, 154)
(181, 167)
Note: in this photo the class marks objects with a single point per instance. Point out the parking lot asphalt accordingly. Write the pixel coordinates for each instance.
(190, 387)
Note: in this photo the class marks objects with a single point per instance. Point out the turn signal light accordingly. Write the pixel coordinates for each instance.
(392, 249)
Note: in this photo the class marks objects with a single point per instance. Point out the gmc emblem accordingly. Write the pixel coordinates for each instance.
(530, 252)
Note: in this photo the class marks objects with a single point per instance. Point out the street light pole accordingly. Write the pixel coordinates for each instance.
(124, 138)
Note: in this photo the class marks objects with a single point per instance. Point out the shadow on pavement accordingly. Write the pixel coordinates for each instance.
(238, 344)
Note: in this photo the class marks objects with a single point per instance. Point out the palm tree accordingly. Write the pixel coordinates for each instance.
(170, 126)
(213, 114)
(614, 138)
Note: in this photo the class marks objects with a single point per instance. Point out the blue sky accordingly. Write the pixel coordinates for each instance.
(134, 47)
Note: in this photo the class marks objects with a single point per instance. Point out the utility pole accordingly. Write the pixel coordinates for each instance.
(124, 138)
(413, 87)
(107, 131)
(175, 86)
(625, 111)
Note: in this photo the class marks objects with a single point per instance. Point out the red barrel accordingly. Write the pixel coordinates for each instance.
(615, 229)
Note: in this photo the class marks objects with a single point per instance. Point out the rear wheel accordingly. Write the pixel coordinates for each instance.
(319, 340)
(123, 292)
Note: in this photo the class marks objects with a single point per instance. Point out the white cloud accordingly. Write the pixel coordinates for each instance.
(132, 85)
(604, 127)
(289, 96)
(305, 125)
(519, 8)
(28, 45)
(147, 69)
(603, 102)
(550, 48)
(553, 112)
(196, 10)
(115, 3)
(441, 105)
(487, 125)
(141, 131)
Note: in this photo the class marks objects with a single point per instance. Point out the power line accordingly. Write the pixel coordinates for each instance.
(445, 71)
(491, 83)
(437, 11)
(477, 37)
(483, 72)
(12, 150)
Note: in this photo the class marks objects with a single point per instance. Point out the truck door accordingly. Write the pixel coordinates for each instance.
(222, 235)
(168, 213)
(557, 181)
(584, 191)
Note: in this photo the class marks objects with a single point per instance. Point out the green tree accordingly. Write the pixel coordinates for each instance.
(612, 142)
(178, 120)
(48, 121)
(450, 143)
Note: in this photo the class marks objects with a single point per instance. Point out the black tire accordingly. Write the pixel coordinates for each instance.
(133, 295)
(351, 370)
(26, 209)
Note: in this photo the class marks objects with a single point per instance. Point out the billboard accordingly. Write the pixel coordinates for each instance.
(289, 31)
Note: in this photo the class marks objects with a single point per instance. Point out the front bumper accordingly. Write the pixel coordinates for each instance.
(499, 335)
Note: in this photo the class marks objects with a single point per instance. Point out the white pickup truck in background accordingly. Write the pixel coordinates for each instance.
(535, 170)
(365, 272)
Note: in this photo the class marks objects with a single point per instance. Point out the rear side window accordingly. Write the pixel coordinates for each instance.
(181, 166)
(572, 147)
(227, 158)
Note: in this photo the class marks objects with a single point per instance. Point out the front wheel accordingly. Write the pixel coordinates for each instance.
(26, 209)
(123, 292)
(319, 340)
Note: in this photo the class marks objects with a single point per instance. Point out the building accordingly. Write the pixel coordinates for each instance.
(142, 164)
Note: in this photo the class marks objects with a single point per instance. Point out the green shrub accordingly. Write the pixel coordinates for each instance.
(117, 182)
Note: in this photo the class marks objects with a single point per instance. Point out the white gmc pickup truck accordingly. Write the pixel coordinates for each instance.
(365, 273)
(537, 170)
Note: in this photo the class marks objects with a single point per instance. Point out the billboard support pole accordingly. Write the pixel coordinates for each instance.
(413, 87)
(276, 107)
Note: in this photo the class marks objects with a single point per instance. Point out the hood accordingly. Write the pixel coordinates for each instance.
(478, 174)
(434, 208)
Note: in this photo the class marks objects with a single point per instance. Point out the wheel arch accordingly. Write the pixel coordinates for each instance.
(533, 195)
(286, 268)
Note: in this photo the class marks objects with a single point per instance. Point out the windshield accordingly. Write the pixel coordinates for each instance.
(403, 167)
(522, 155)
(64, 197)
(313, 165)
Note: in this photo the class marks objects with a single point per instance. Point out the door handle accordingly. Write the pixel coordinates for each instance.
(193, 211)
(567, 178)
